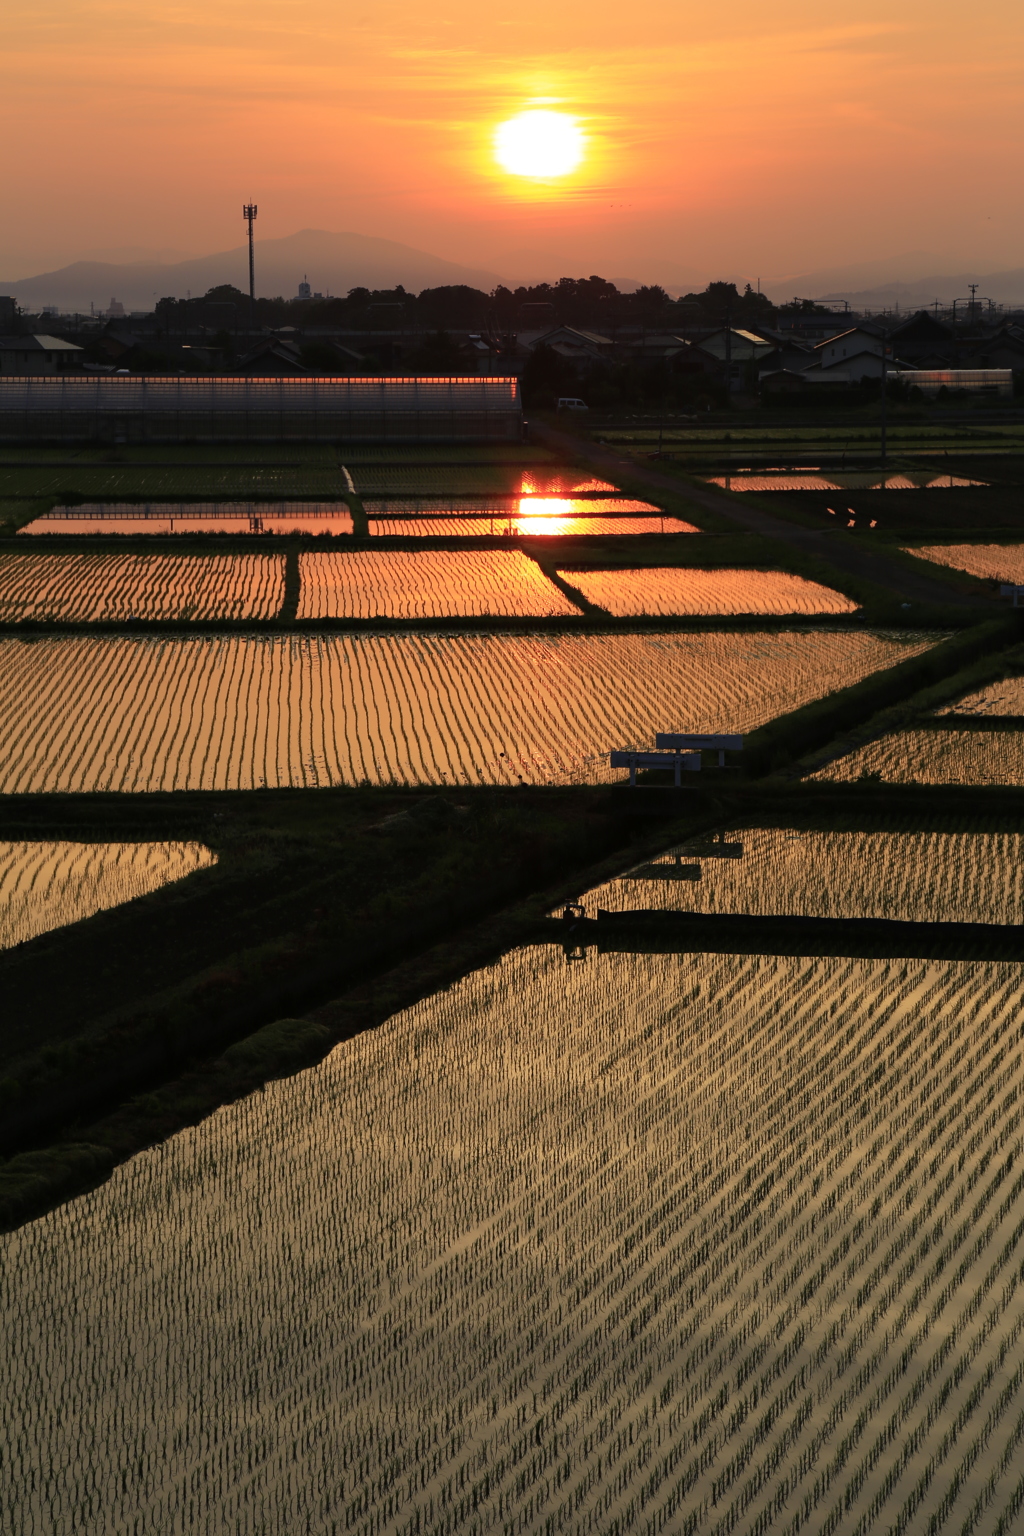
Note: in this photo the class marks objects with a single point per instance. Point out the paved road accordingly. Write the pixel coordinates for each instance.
(861, 561)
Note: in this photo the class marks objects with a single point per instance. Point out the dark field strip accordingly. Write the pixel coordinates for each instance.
(971, 510)
(593, 620)
(154, 464)
(541, 459)
(674, 932)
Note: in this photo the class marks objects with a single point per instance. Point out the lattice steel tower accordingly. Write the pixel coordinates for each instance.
(249, 214)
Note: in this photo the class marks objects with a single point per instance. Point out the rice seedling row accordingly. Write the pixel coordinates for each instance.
(691, 1243)
(46, 885)
(146, 518)
(561, 507)
(935, 757)
(944, 877)
(531, 525)
(1005, 697)
(994, 562)
(112, 586)
(679, 590)
(433, 584)
(230, 712)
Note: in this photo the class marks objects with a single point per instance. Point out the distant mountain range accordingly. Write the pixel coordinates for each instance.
(334, 263)
(886, 283)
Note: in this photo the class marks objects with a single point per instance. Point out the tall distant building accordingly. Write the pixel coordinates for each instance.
(305, 291)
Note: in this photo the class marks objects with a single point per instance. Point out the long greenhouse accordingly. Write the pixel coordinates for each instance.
(160, 409)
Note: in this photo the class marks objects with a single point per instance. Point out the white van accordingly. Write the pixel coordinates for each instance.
(566, 404)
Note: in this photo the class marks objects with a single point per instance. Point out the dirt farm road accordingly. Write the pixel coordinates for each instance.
(834, 545)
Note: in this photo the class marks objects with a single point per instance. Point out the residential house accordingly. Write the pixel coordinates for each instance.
(840, 362)
(789, 381)
(924, 341)
(731, 352)
(855, 354)
(271, 357)
(567, 341)
(858, 341)
(788, 356)
(38, 354)
(1003, 349)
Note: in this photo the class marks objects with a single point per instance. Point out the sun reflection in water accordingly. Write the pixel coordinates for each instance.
(545, 514)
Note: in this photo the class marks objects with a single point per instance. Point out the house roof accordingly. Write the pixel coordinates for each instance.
(743, 342)
(851, 357)
(273, 346)
(751, 336)
(821, 367)
(571, 334)
(37, 344)
(855, 330)
(922, 321)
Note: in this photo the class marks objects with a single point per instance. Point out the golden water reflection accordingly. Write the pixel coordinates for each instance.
(920, 876)
(46, 885)
(813, 479)
(934, 757)
(644, 1243)
(547, 516)
(169, 517)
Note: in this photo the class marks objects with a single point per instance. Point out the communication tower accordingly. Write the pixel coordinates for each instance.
(249, 214)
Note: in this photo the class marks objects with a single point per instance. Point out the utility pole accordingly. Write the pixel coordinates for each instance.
(249, 214)
(883, 407)
(728, 355)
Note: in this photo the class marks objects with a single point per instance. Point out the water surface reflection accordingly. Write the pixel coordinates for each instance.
(702, 1239)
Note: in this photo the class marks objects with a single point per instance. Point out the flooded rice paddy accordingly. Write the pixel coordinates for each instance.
(680, 590)
(84, 713)
(72, 586)
(167, 517)
(404, 515)
(45, 885)
(1005, 697)
(687, 1243)
(410, 584)
(539, 525)
(508, 480)
(935, 757)
(934, 876)
(530, 516)
(835, 480)
(997, 562)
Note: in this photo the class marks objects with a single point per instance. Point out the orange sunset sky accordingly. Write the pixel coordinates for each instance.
(742, 139)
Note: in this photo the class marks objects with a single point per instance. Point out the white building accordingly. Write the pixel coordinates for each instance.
(856, 352)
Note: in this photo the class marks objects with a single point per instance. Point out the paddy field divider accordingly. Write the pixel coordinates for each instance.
(829, 727)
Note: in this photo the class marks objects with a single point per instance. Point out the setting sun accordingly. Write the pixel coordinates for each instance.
(539, 144)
